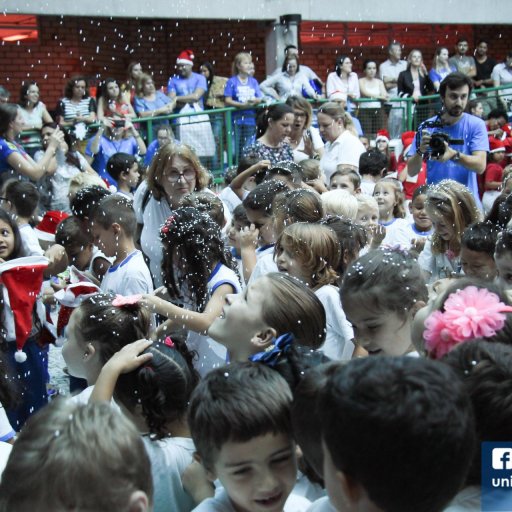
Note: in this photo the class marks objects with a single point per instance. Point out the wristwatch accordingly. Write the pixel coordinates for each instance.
(456, 157)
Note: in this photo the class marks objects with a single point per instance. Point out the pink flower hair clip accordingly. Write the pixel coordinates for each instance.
(168, 341)
(130, 300)
(468, 314)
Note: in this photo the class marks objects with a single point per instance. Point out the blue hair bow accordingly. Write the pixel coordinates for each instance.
(271, 355)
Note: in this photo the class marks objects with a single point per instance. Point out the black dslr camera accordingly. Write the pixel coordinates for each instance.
(437, 138)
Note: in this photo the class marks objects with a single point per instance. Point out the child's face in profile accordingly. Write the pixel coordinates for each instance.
(133, 175)
(79, 256)
(263, 223)
(234, 240)
(377, 330)
(73, 349)
(417, 208)
(342, 182)
(477, 264)
(258, 475)
(105, 239)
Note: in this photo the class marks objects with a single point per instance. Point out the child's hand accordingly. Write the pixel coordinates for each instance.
(418, 244)
(162, 293)
(129, 357)
(377, 234)
(249, 237)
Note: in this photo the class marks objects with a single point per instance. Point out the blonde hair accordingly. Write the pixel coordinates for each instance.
(139, 86)
(316, 247)
(163, 159)
(83, 180)
(399, 208)
(236, 62)
(336, 111)
(52, 465)
(364, 200)
(456, 205)
(340, 202)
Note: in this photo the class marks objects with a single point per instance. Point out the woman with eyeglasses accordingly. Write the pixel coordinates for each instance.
(174, 172)
(304, 139)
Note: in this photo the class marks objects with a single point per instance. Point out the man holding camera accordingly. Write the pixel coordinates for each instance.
(459, 149)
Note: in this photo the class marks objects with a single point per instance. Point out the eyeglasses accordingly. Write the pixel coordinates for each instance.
(187, 175)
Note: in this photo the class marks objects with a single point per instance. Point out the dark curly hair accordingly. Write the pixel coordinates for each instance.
(195, 238)
(162, 387)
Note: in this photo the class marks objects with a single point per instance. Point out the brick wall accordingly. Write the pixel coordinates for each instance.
(100, 47)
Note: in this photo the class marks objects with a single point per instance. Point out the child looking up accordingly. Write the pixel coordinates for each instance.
(383, 411)
(271, 306)
(239, 221)
(58, 441)
(113, 228)
(154, 382)
(390, 200)
(124, 168)
(249, 446)
(452, 209)
(381, 292)
(477, 251)
(311, 253)
(198, 274)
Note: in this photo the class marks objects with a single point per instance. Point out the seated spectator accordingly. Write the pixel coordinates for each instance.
(112, 103)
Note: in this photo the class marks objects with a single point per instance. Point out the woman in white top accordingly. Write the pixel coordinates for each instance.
(304, 139)
(34, 115)
(343, 84)
(370, 112)
(290, 82)
(342, 143)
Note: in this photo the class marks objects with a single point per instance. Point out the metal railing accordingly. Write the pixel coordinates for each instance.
(228, 136)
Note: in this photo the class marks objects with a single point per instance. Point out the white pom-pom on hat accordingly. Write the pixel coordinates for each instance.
(20, 356)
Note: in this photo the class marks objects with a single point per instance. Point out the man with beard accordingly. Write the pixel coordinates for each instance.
(461, 162)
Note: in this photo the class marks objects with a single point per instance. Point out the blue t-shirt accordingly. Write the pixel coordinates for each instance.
(6, 149)
(472, 131)
(439, 76)
(106, 150)
(242, 93)
(144, 105)
(184, 86)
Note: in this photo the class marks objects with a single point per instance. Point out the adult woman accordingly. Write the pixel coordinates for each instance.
(113, 137)
(274, 126)
(290, 82)
(149, 102)
(343, 84)
(475, 108)
(14, 161)
(128, 87)
(112, 103)
(77, 108)
(174, 172)
(414, 82)
(34, 114)
(370, 112)
(214, 95)
(243, 91)
(343, 146)
(304, 139)
(440, 67)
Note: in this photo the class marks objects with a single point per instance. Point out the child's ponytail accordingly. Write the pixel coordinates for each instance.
(162, 387)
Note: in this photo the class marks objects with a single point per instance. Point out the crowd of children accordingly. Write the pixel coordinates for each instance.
(221, 350)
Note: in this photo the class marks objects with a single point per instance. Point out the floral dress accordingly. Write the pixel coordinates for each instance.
(279, 154)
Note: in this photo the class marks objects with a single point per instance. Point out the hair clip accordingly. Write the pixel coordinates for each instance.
(130, 300)
(168, 341)
(468, 314)
(270, 356)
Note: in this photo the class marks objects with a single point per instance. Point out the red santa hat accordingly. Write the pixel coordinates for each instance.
(70, 298)
(186, 57)
(46, 229)
(22, 279)
(496, 145)
(407, 138)
(382, 135)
